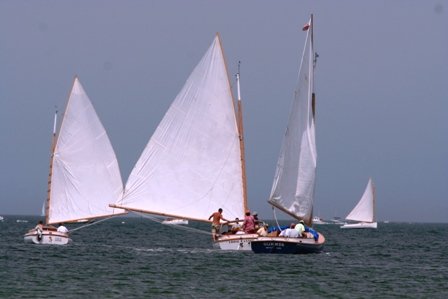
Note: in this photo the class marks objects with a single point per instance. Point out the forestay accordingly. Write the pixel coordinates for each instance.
(85, 173)
(294, 181)
(191, 166)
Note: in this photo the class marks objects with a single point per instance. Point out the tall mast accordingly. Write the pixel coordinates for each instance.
(313, 95)
(241, 136)
(53, 146)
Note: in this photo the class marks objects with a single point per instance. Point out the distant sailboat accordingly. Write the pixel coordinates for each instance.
(294, 180)
(318, 220)
(84, 175)
(194, 162)
(364, 212)
(175, 221)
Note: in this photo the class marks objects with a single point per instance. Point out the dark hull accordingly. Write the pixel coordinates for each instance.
(281, 245)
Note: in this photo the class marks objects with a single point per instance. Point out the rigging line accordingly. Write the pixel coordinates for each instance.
(89, 224)
(275, 218)
(158, 220)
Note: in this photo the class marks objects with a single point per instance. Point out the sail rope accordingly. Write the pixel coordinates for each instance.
(89, 224)
(186, 228)
(275, 218)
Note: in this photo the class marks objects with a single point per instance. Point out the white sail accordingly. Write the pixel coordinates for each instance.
(294, 181)
(85, 173)
(365, 209)
(191, 166)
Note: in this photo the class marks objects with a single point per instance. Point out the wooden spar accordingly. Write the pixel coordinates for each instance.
(157, 213)
(86, 219)
(239, 124)
(241, 134)
(50, 173)
(308, 221)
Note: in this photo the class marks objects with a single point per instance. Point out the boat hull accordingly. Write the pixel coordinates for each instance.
(360, 225)
(238, 242)
(175, 222)
(47, 238)
(281, 245)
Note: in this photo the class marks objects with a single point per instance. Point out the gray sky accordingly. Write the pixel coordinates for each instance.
(381, 84)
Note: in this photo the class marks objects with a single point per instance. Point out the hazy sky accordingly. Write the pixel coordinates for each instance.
(381, 85)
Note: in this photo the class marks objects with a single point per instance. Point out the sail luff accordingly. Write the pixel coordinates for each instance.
(374, 200)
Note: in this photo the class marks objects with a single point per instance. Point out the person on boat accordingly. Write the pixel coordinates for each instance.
(216, 223)
(290, 232)
(62, 228)
(249, 223)
(300, 228)
(257, 222)
(263, 231)
(39, 229)
(236, 226)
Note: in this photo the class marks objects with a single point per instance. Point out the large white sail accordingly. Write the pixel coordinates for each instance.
(191, 166)
(85, 173)
(294, 181)
(365, 209)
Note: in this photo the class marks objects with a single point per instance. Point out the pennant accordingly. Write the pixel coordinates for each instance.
(306, 26)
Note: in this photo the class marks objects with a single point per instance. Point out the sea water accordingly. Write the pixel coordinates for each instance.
(137, 258)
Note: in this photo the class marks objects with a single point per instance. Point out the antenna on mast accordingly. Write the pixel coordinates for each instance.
(55, 120)
(238, 81)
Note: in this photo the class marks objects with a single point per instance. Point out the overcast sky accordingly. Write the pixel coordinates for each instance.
(381, 85)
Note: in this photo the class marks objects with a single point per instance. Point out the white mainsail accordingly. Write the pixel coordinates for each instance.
(192, 165)
(294, 181)
(85, 175)
(365, 209)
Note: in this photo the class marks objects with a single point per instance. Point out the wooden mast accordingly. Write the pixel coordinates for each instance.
(313, 95)
(50, 174)
(241, 136)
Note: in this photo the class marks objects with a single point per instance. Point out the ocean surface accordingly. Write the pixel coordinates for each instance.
(138, 258)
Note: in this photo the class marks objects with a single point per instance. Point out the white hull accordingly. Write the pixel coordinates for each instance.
(48, 238)
(239, 242)
(360, 225)
(175, 221)
(317, 220)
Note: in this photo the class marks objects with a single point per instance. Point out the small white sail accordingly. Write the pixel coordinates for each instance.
(365, 209)
(191, 166)
(294, 181)
(85, 175)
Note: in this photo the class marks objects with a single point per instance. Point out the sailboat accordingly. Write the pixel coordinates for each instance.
(364, 212)
(294, 181)
(194, 162)
(84, 174)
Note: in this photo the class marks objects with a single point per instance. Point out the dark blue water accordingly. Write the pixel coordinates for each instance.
(143, 259)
